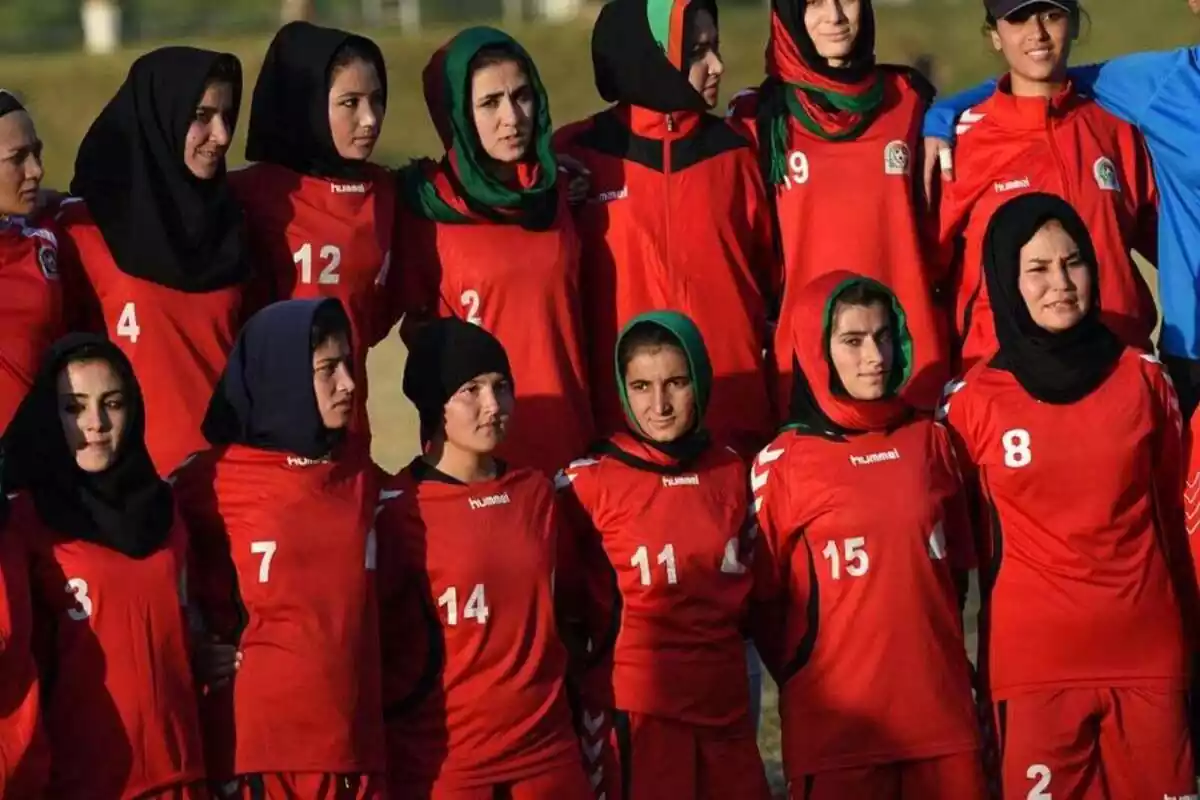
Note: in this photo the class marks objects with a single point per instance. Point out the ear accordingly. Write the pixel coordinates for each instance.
(997, 45)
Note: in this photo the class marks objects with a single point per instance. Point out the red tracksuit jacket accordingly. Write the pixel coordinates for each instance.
(853, 205)
(30, 307)
(1084, 558)
(120, 702)
(676, 540)
(677, 218)
(1066, 146)
(314, 237)
(473, 667)
(858, 615)
(24, 751)
(283, 563)
(523, 287)
(178, 342)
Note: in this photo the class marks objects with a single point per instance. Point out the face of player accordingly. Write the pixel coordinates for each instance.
(20, 164)
(662, 397)
(1055, 281)
(1194, 5)
(356, 109)
(705, 65)
(476, 417)
(1036, 43)
(504, 104)
(833, 27)
(862, 349)
(211, 131)
(333, 381)
(91, 408)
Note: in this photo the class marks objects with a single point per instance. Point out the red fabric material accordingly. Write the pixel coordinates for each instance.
(30, 307)
(313, 237)
(177, 342)
(956, 777)
(1096, 743)
(566, 782)
(130, 730)
(1070, 147)
(24, 749)
(305, 786)
(468, 571)
(524, 287)
(285, 546)
(886, 238)
(679, 652)
(1091, 573)
(872, 531)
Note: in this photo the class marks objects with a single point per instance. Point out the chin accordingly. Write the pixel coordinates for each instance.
(94, 463)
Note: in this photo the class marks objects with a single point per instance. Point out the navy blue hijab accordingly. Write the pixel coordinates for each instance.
(265, 397)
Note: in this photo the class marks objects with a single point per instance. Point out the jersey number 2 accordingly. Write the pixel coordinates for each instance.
(330, 254)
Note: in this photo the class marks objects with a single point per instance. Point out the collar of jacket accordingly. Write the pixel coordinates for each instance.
(1031, 113)
(656, 125)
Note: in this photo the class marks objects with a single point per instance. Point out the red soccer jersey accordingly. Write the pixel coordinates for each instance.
(675, 539)
(30, 307)
(178, 342)
(677, 218)
(859, 538)
(24, 752)
(1081, 509)
(283, 563)
(523, 287)
(853, 205)
(1070, 147)
(120, 702)
(473, 667)
(314, 237)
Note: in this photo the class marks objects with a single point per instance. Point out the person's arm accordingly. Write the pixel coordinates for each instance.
(942, 118)
(767, 619)
(1125, 86)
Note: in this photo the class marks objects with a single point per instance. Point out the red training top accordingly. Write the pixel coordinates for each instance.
(283, 564)
(24, 751)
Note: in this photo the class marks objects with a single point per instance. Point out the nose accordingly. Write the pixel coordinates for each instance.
(33, 168)
(367, 117)
(345, 381)
(219, 132)
(662, 401)
(839, 13)
(510, 113)
(1060, 278)
(716, 67)
(872, 354)
(488, 401)
(1040, 31)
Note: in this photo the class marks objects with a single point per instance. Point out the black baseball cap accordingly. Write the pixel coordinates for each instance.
(1002, 9)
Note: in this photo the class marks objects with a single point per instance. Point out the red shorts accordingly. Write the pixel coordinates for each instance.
(1095, 743)
(187, 791)
(955, 777)
(565, 782)
(653, 757)
(302, 786)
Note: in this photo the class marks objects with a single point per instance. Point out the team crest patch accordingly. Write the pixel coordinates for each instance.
(897, 158)
(1106, 174)
(47, 257)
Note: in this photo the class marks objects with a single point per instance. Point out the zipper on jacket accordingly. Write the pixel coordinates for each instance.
(1057, 155)
(667, 210)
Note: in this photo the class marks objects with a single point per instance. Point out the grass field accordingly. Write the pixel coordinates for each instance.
(65, 91)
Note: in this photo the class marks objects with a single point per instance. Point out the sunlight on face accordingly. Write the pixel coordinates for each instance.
(91, 408)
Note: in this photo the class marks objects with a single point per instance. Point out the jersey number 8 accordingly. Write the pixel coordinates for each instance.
(1016, 448)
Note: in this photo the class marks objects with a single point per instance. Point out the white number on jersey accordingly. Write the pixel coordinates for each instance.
(641, 560)
(79, 588)
(1016, 448)
(476, 608)
(470, 301)
(1040, 790)
(851, 556)
(330, 254)
(267, 551)
(127, 324)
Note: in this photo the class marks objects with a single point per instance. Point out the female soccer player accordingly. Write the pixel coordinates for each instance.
(863, 553)
(665, 507)
(30, 296)
(319, 213)
(152, 249)
(1037, 134)
(1072, 442)
(837, 131)
(107, 555)
(489, 237)
(283, 563)
(677, 216)
(474, 695)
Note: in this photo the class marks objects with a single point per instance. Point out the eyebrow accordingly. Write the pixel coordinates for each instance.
(883, 329)
(85, 395)
(36, 143)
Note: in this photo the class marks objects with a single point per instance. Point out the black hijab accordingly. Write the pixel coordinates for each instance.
(1055, 368)
(632, 66)
(128, 507)
(9, 103)
(265, 397)
(161, 223)
(289, 114)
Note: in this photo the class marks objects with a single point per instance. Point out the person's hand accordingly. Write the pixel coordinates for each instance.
(215, 663)
(580, 178)
(938, 156)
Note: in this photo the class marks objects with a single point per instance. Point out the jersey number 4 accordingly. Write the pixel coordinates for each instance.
(127, 323)
(476, 608)
(332, 256)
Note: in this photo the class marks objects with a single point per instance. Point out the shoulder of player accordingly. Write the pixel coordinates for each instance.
(779, 455)
(976, 385)
(743, 106)
(908, 80)
(564, 138)
(582, 472)
(73, 213)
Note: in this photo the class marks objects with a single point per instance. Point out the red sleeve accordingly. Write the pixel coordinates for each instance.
(960, 540)
(586, 590)
(767, 266)
(773, 546)
(81, 305)
(1145, 239)
(414, 293)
